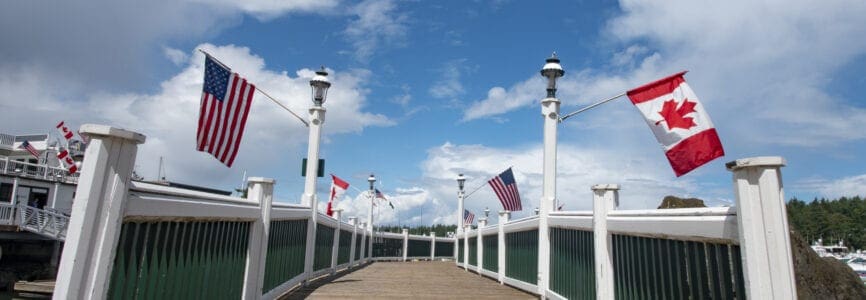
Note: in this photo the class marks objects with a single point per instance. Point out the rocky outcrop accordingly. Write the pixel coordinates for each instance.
(823, 277)
(677, 202)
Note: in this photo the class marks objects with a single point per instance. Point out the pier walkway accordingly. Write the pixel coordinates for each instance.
(130, 239)
(405, 280)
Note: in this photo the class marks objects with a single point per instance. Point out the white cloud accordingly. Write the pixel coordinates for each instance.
(377, 24)
(449, 85)
(833, 189)
(109, 43)
(176, 56)
(761, 69)
(644, 181)
(168, 116)
(267, 9)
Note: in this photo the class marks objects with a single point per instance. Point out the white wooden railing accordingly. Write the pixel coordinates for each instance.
(12, 167)
(722, 252)
(43, 222)
(133, 238)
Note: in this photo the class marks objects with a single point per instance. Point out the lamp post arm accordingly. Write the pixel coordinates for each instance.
(590, 107)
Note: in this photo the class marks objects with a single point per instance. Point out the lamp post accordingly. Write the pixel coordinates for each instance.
(372, 180)
(319, 85)
(552, 70)
(460, 195)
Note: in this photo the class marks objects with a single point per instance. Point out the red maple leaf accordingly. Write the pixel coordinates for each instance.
(675, 116)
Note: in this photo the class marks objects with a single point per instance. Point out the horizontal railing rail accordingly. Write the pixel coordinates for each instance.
(37, 171)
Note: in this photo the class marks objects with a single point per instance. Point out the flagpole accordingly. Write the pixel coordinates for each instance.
(260, 90)
(475, 190)
(590, 107)
(482, 184)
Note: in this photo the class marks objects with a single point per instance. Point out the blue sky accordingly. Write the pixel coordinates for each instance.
(424, 90)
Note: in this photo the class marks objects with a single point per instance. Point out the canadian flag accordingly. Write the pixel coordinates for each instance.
(679, 122)
(66, 159)
(64, 131)
(338, 187)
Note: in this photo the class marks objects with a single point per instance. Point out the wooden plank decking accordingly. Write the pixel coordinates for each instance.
(408, 280)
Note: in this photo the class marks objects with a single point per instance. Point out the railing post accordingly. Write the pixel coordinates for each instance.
(363, 242)
(405, 243)
(456, 252)
(354, 221)
(260, 190)
(466, 228)
(432, 246)
(605, 199)
(479, 245)
(54, 195)
(336, 246)
(500, 248)
(763, 227)
(16, 219)
(97, 213)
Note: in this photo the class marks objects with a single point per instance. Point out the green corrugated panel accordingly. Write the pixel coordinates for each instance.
(473, 251)
(387, 247)
(444, 249)
(367, 247)
(286, 251)
(345, 247)
(419, 248)
(491, 252)
(324, 246)
(460, 246)
(179, 260)
(521, 255)
(572, 263)
(650, 268)
(358, 246)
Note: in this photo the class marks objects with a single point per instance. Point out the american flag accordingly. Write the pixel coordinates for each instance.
(506, 190)
(468, 217)
(225, 103)
(27, 146)
(379, 195)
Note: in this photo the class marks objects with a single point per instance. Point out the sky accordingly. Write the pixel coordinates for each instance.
(424, 90)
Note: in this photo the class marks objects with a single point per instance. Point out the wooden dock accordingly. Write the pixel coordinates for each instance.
(408, 280)
(39, 287)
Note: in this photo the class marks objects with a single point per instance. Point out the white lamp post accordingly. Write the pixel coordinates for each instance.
(460, 195)
(319, 85)
(372, 180)
(552, 70)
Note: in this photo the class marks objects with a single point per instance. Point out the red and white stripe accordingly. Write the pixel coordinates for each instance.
(64, 130)
(221, 123)
(507, 194)
(338, 187)
(686, 149)
(66, 159)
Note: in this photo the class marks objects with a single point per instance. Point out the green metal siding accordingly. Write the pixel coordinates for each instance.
(473, 251)
(358, 246)
(387, 247)
(324, 246)
(521, 255)
(345, 247)
(180, 260)
(419, 248)
(444, 249)
(491, 252)
(286, 251)
(572, 263)
(669, 269)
